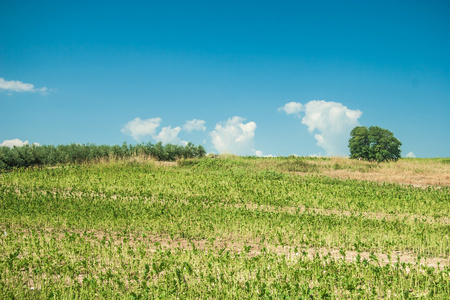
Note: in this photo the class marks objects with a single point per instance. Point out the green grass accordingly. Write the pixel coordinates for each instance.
(210, 228)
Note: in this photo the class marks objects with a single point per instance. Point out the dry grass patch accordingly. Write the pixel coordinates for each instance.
(416, 172)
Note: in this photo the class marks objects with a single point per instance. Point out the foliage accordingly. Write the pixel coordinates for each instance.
(26, 156)
(374, 144)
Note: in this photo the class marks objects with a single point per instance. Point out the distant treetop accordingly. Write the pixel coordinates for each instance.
(374, 144)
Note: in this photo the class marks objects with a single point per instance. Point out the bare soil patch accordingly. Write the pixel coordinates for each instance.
(416, 180)
(166, 163)
(347, 213)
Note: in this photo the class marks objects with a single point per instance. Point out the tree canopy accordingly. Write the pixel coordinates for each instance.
(374, 144)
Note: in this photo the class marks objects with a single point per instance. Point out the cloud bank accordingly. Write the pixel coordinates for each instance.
(234, 136)
(140, 129)
(15, 143)
(331, 121)
(19, 86)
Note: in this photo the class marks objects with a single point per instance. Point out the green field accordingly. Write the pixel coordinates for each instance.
(226, 227)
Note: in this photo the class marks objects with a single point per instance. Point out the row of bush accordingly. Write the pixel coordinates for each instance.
(32, 155)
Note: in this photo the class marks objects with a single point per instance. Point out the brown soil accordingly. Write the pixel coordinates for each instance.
(166, 163)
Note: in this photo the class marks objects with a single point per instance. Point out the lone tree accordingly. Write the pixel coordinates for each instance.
(374, 144)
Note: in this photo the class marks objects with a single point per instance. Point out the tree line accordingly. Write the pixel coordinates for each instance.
(372, 144)
(32, 155)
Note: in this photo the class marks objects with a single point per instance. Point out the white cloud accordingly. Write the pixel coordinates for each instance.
(169, 135)
(19, 86)
(411, 155)
(198, 125)
(292, 108)
(259, 153)
(15, 142)
(139, 129)
(333, 122)
(233, 136)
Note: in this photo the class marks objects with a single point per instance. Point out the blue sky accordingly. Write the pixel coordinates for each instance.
(246, 77)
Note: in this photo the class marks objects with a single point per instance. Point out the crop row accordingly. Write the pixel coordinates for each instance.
(94, 230)
(233, 183)
(203, 220)
(63, 264)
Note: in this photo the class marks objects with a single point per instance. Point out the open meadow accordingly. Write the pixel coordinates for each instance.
(227, 227)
